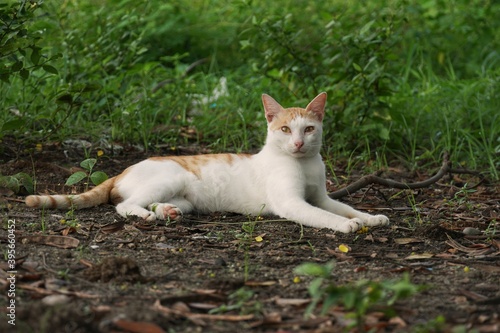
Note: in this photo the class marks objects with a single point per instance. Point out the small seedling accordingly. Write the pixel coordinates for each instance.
(71, 221)
(358, 297)
(462, 197)
(491, 230)
(96, 177)
(241, 301)
(63, 274)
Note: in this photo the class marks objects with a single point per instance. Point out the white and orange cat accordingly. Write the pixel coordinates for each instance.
(286, 178)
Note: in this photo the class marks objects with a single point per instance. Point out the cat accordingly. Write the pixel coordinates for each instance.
(286, 178)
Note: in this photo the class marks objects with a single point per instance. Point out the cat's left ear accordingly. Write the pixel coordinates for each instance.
(317, 106)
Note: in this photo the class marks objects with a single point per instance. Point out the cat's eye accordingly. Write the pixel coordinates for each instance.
(309, 129)
(286, 129)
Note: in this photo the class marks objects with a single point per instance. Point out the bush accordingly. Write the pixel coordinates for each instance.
(404, 77)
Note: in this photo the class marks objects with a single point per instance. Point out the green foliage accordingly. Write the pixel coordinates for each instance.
(241, 301)
(334, 53)
(18, 182)
(413, 77)
(358, 297)
(22, 58)
(96, 177)
(20, 52)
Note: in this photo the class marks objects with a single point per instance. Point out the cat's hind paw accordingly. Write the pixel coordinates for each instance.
(165, 211)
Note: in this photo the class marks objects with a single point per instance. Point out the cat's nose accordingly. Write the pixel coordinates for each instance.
(299, 144)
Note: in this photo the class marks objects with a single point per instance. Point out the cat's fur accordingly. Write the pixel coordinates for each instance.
(286, 178)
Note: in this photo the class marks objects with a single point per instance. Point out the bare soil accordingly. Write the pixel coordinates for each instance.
(212, 273)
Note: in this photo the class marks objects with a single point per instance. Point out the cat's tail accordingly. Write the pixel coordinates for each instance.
(96, 196)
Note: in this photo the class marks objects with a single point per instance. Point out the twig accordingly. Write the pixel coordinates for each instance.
(375, 179)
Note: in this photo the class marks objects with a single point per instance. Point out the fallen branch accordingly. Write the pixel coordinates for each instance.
(375, 179)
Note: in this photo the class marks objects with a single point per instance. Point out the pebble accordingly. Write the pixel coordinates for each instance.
(472, 231)
(52, 300)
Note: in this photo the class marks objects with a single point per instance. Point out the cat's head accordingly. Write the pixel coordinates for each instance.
(295, 131)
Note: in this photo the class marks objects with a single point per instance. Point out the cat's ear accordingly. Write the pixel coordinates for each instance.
(317, 106)
(271, 107)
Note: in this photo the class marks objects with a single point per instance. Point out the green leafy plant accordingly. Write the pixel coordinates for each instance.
(71, 220)
(20, 52)
(18, 182)
(241, 301)
(492, 229)
(246, 239)
(96, 177)
(412, 77)
(23, 61)
(358, 297)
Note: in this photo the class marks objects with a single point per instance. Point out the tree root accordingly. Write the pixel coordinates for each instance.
(375, 179)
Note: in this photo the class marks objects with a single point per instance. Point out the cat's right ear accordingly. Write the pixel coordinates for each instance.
(271, 107)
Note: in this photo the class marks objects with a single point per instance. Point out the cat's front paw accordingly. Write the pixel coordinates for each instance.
(375, 220)
(352, 225)
(165, 211)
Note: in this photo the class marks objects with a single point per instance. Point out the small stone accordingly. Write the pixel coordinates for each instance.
(58, 299)
(471, 231)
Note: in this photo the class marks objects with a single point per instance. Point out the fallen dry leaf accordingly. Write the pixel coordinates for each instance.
(403, 241)
(112, 227)
(425, 255)
(292, 301)
(475, 250)
(63, 242)
(138, 326)
(195, 317)
(260, 283)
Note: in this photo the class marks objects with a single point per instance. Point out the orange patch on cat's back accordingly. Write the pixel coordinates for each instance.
(194, 163)
(284, 118)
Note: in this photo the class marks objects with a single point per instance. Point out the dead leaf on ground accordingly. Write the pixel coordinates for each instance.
(196, 317)
(292, 301)
(260, 283)
(475, 250)
(137, 326)
(415, 256)
(43, 291)
(63, 242)
(403, 241)
(68, 230)
(112, 227)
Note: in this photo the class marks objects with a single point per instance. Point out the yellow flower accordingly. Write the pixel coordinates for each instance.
(363, 230)
(259, 239)
(343, 248)
(100, 153)
(296, 279)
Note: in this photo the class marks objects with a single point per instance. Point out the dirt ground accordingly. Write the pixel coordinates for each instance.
(93, 271)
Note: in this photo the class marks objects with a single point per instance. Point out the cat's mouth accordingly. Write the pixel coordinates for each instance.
(298, 152)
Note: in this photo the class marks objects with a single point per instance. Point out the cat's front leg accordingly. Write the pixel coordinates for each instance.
(344, 210)
(298, 210)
